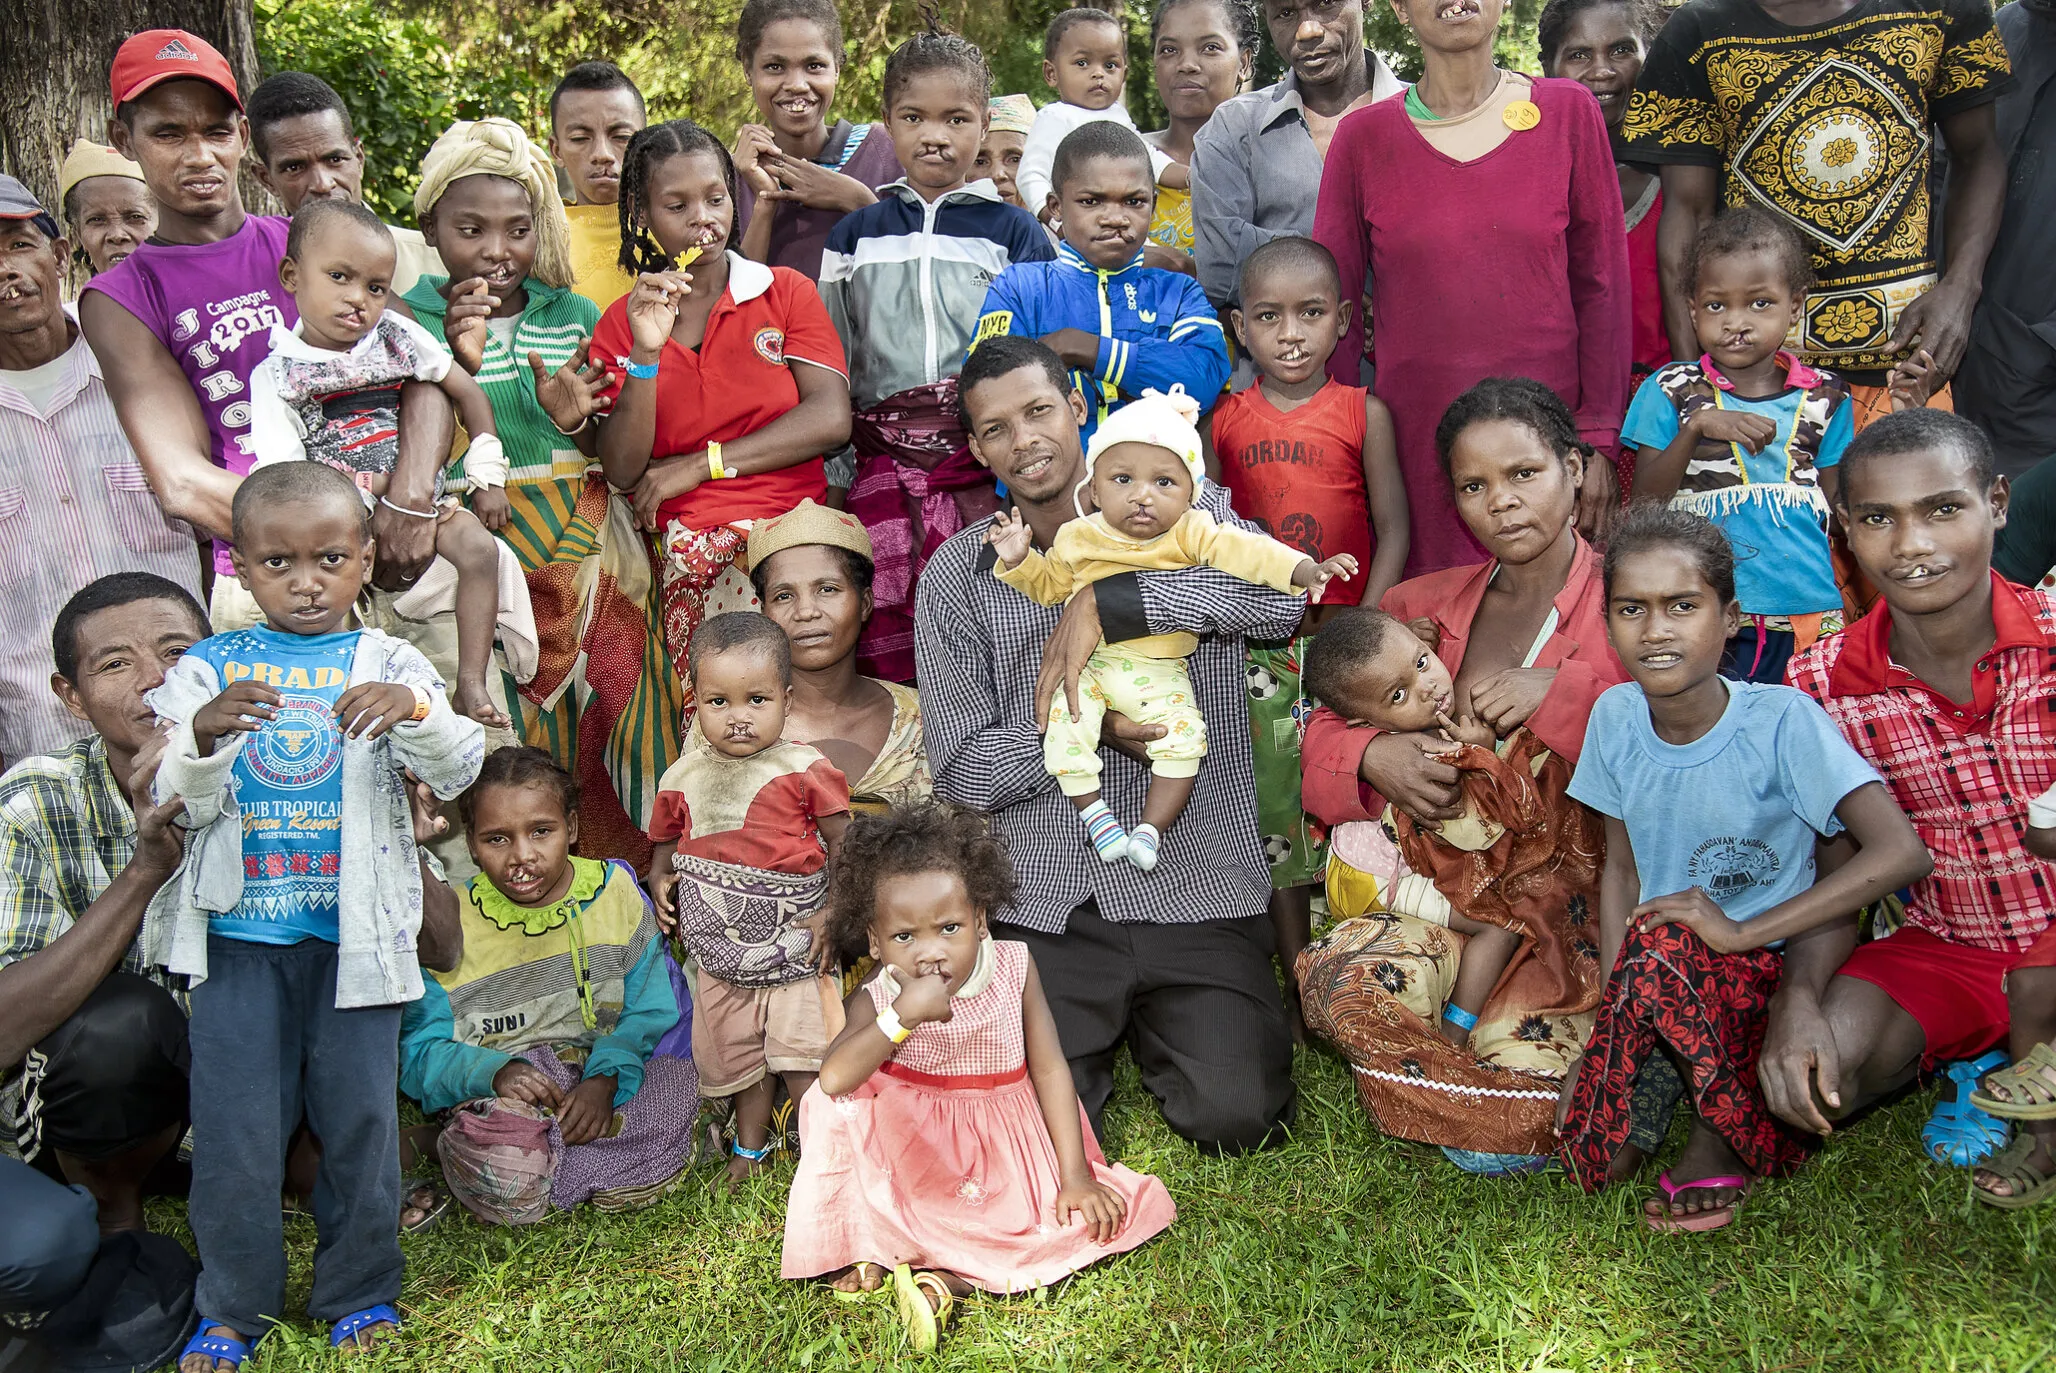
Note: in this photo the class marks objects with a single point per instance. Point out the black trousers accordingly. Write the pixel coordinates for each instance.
(1197, 1005)
(115, 1073)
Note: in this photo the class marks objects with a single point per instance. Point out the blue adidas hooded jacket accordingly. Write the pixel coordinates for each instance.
(1156, 328)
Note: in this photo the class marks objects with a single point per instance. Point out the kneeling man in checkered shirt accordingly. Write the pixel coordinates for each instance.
(1174, 962)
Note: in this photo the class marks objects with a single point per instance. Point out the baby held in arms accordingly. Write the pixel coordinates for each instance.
(1143, 469)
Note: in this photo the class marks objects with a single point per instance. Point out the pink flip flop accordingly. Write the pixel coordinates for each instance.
(1713, 1219)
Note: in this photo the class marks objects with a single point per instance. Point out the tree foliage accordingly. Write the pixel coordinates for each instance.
(406, 68)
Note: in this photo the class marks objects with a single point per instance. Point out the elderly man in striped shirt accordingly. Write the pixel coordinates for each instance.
(73, 501)
(1175, 962)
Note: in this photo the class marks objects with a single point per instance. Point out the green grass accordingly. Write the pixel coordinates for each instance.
(1342, 1250)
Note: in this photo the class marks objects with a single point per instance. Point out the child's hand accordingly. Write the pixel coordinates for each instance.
(1733, 426)
(1427, 631)
(1697, 912)
(653, 308)
(464, 328)
(815, 186)
(663, 888)
(1100, 1206)
(369, 710)
(1563, 1099)
(519, 1080)
(588, 1110)
(1168, 259)
(1009, 537)
(571, 394)
(245, 706)
(923, 999)
(489, 503)
(1078, 349)
(1314, 577)
(425, 809)
(1912, 380)
(1467, 729)
(819, 956)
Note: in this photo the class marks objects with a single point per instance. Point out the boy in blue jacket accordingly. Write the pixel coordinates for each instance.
(1120, 327)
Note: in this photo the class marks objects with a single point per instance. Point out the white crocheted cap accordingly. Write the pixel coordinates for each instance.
(1161, 419)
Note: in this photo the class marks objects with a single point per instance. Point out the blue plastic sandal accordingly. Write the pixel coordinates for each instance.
(216, 1347)
(349, 1327)
(1484, 1165)
(1958, 1134)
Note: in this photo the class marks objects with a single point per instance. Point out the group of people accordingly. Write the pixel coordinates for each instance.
(838, 631)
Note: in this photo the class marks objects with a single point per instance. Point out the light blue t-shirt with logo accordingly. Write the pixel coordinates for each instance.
(1736, 811)
(289, 782)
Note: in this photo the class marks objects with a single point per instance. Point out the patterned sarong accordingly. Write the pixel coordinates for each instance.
(742, 923)
(917, 484)
(1710, 1010)
(604, 702)
(700, 575)
(1376, 986)
(508, 1163)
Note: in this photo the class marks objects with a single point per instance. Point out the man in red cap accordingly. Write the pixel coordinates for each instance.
(181, 324)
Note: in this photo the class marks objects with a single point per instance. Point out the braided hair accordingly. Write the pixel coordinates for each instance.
(640, 251)
(935, 49)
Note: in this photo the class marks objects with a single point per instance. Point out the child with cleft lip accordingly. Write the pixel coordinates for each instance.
(1143, 467)
(746, 822)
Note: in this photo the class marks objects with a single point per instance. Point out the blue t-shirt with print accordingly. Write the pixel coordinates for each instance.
(1782, 565)
(289, 782)
(1736, 811)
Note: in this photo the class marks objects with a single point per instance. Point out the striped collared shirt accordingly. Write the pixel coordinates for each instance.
(73, 506)
(978, 644)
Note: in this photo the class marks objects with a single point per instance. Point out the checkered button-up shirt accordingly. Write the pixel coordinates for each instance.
(66, 830)
(978, 646)
(1962, 773)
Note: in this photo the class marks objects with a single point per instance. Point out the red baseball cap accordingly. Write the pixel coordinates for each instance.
(155, 56)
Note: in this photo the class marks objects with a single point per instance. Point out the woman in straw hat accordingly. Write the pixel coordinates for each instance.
(812, 570)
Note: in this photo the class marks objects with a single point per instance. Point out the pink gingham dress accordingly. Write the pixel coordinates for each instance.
(943, 1160)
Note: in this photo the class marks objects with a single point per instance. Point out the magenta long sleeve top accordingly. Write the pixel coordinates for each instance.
(1512, 264)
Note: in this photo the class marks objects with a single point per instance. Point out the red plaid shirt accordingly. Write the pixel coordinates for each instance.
(1962, 773)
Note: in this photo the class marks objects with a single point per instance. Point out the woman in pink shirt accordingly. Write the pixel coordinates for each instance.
(1523, 636)
(1487, 209)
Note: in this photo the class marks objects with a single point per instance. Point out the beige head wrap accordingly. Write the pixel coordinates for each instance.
(1011, 114)
(498, 147)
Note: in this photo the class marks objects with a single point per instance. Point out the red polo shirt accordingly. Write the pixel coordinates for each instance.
(738, 380)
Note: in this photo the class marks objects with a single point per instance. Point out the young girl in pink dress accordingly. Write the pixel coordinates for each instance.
(944, 1145)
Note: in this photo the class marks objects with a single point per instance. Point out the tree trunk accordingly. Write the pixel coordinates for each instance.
(54, 60)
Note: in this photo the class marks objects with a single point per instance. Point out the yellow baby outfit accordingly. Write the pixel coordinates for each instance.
(1144, 679)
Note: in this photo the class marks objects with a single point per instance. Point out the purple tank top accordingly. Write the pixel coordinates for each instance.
(212, 305)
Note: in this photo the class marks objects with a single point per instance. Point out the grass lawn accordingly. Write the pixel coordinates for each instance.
(1340, 1250)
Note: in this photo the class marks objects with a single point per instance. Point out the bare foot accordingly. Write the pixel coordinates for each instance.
(203, 1363)
(474, 701)
(741, 1170)
(860, 1277)
(1706, 1155)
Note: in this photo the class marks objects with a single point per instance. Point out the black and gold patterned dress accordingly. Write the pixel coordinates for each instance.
(1829, 127)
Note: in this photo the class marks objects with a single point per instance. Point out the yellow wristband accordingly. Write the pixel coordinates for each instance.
(715, 471)
(423, 703)
(889, 1026)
